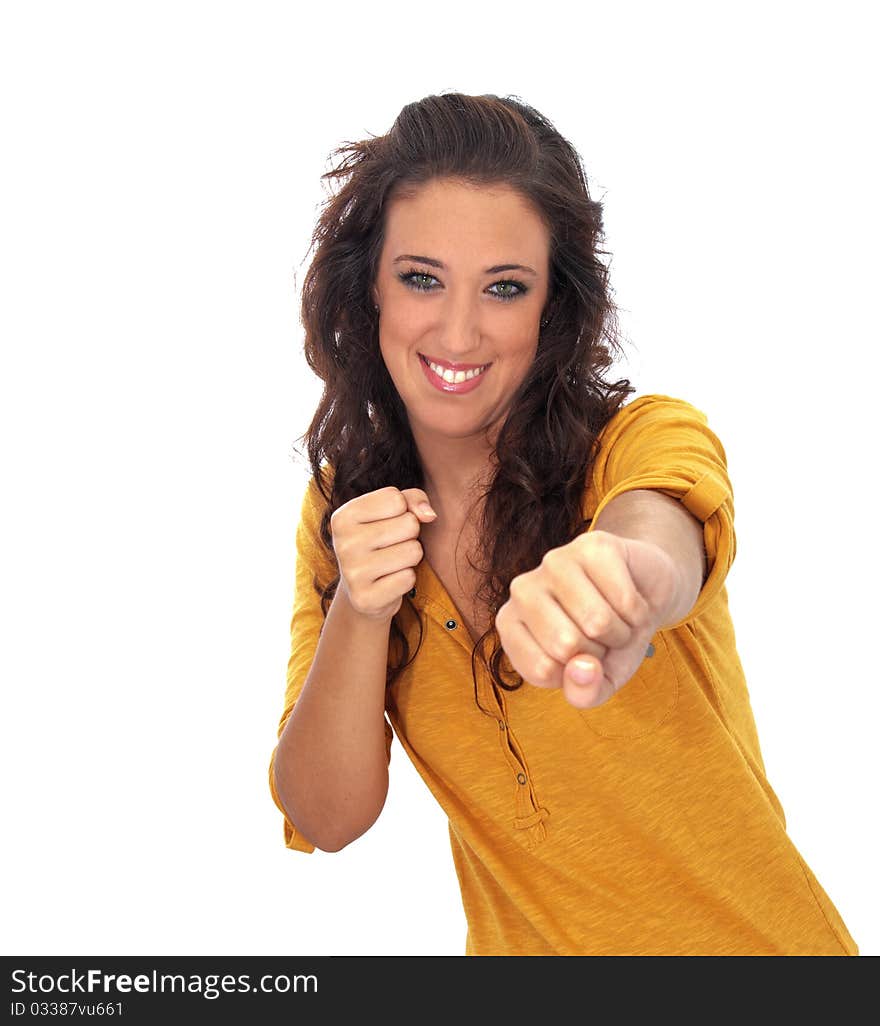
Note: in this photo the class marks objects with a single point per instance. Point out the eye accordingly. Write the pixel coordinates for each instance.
(415, 280)
(520, 289)
(420, 281)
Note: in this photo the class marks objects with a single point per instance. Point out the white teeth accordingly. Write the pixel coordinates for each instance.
(454, 377)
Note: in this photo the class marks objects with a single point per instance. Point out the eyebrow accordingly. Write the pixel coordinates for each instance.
(439, 264)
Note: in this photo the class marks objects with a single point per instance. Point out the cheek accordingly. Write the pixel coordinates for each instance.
(522, 331)
(394, 350)
(408, 320)
(400, 323)
(523, 352)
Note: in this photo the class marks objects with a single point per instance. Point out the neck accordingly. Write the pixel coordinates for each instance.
(457, 471)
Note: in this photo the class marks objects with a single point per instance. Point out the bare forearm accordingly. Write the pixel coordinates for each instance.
(653, 516)
(331, 767)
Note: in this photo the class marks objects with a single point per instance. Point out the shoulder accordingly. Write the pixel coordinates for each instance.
(315, 497)
(656, 424)
(309, 542)
(652, 409)
(662, 442)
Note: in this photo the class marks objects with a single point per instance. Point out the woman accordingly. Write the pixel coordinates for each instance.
(519, 571)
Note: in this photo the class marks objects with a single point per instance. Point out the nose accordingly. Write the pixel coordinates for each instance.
(459, 329)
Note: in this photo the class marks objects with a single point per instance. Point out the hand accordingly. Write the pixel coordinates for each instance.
(588, 611)
(375, 538)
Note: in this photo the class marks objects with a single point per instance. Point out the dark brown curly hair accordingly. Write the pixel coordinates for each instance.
(359, 439)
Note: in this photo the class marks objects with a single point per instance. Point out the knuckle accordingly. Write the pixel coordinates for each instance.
(550, 559)
(393, 500)
(354, 578)
(564, 647)
(516, 587)
(598, 622)
(634, 608)
(600, 541)
(341, 548)
(580, 541)
(543, 670)
(559, 654)
(627, 636)
(412, 522)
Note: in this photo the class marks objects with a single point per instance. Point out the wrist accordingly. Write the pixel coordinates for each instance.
(358, 616)
(684, 595)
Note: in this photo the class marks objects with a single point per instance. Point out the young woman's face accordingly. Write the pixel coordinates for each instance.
(462, 282)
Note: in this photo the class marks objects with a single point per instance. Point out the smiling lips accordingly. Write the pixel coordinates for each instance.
(453, 377)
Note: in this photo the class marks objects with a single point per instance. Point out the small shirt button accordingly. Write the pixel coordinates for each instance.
(412, 593)
(520, 778)
(502, 725)
(451, 625)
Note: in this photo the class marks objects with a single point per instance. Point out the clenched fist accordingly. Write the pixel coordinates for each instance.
(583, 619)
(375, 538)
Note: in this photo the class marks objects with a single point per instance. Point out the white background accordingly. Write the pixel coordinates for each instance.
(160, 179)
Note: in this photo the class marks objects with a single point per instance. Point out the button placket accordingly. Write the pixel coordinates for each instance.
(505, 738)
(528, 819)
(447, 621)
(529, 815)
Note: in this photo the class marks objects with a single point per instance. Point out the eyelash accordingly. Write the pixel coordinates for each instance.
(407, 278)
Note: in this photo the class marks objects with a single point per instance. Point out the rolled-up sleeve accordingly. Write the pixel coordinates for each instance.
(312, 562)
(665, 443)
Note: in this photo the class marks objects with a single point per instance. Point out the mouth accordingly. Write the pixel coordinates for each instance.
(453, 377)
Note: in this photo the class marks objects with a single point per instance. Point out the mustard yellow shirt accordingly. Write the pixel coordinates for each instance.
(646, 826)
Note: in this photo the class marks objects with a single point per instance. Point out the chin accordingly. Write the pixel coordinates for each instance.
(449, 428)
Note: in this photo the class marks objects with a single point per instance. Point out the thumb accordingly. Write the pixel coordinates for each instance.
(584, 683)
(417, 502)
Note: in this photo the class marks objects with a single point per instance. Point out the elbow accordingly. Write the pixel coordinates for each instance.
(330, 823)
(333, 837)
(330, 848)
(334, 843)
